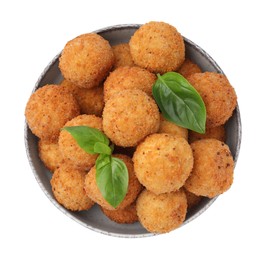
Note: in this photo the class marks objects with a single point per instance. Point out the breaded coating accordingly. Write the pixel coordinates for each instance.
(48, 109)
(86, 60)
(218, 95)
(128, 78)
(91, 101)
(188, 68)
(69, 148)
(157, 47)
(168, 127)
(122, 55)
(134, 187)
(129, 116)
(163, 162)
(128, 215)
(49, 154)
(68, 188)
(192, 199)
(161, 213)
(212, 172)
(217, 132)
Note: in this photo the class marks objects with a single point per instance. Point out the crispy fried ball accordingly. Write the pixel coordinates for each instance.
(128, 78)
(161, 213)
(49, 154)
(157, 47)
(86, 60)
(122, 55)
(68, 188)
(134, 187)
(91, 101)
(171, 128)
(69, 148)
(163, 162)
(127, 215)
(192, 199)
(218, 95)
(188, 68)
(48, 109)
(217, 132)
(129, 116)
(212, 172)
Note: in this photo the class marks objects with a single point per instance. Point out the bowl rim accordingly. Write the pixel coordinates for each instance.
(65, 211)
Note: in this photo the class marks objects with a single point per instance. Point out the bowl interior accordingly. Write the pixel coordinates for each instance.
(94, 219)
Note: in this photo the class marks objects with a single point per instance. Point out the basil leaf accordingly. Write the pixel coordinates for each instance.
(87, 137)
(112, 179)
(179, 101)
(102, 160)
(102, 148)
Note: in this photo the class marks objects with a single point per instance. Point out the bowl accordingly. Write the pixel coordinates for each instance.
(94, 219)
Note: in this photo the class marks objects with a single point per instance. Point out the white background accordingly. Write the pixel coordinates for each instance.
(234, 33)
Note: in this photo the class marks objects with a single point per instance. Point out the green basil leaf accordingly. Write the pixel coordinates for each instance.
(102, 160)
(112, 179)
(87, 137)
(180, 102)
(102, 148)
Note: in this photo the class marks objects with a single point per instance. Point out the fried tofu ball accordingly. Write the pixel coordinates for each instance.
(91, 101)
(192, 199)
(128, 78)
(168, 127)
(86, 60)
(188, 68)
(218, 95)
(163, 162)
(157, 47)
(161, 213)
(129, 116)
(70, 150)
(49, 154)
(128, 215)
(217, 132)
(212, 172)
(48, 109)
(134, 186)
(68, 188)
(122, 55)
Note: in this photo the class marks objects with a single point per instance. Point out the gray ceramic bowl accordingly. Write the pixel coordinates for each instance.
(94, 219)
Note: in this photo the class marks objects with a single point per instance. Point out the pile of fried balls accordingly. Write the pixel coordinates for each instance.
(110, 88)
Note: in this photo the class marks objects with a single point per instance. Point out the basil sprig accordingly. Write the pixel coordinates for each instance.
(179, 101)
(111, 172)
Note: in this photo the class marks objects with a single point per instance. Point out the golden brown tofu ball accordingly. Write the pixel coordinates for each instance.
(212, 173)
(70, 150)
(129, 116)
(127, 215)
(188, 68)
(86, 60)
(168, 127)
(49, 154)
(48, 109)
(128, 78)
(68, 188)
(161, 213)
(217, 132)
(218, 95)
(157, 47)
(192, 199)
(163, 162)
(134, 187)
(91, 101)
(122, 55)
